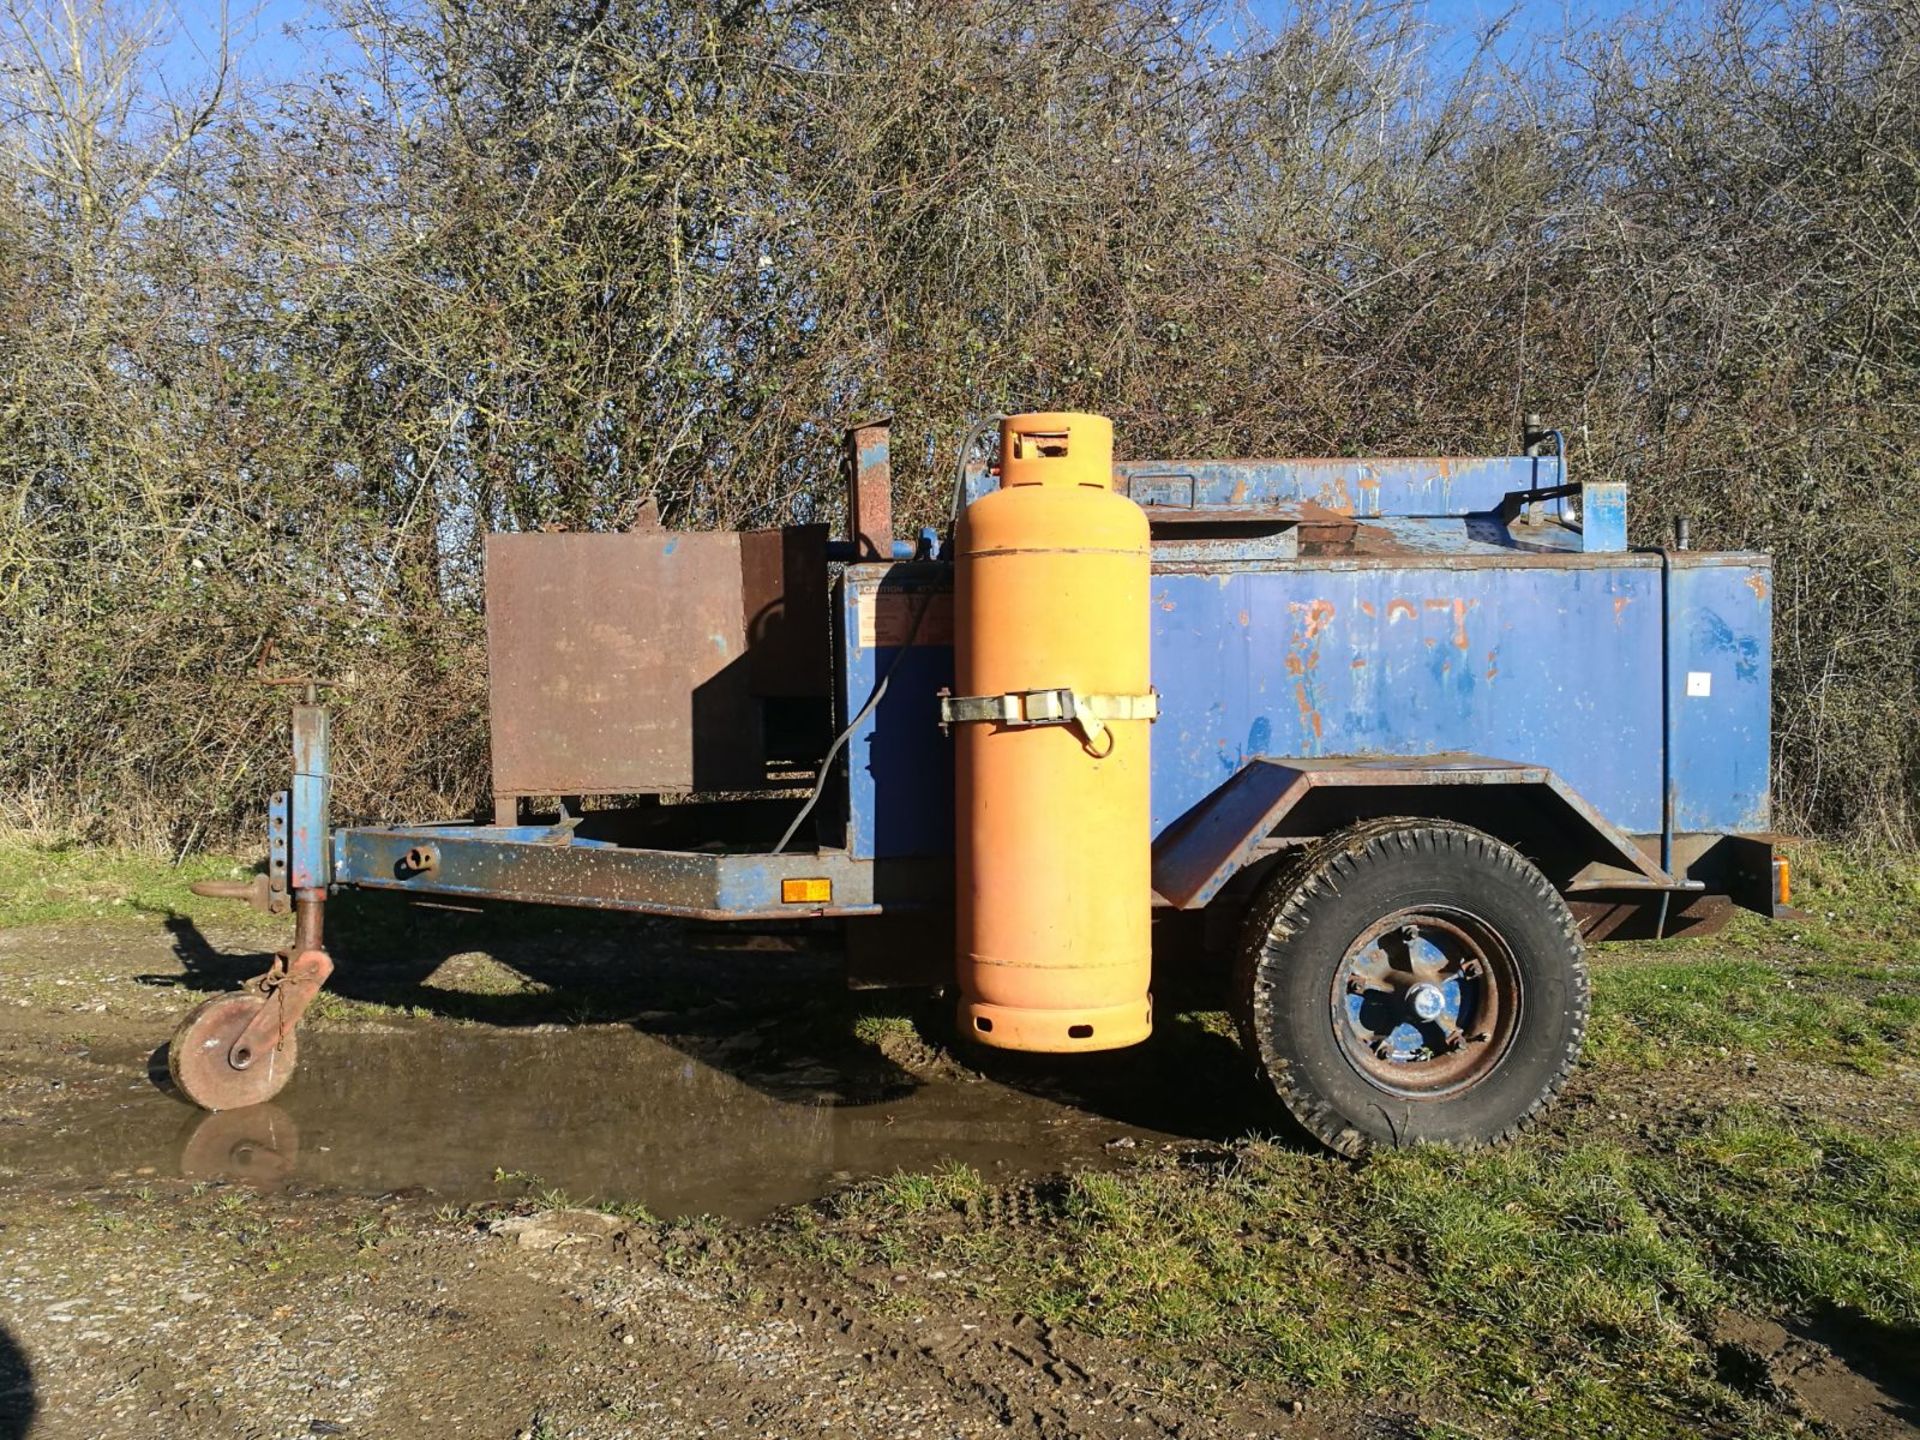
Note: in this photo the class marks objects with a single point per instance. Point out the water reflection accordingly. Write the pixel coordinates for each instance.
(604, 1113)
(259, 1145)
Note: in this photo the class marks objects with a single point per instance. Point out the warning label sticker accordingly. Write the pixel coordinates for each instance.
(887, 618)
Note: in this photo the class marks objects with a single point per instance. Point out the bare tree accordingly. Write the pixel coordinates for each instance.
(270, 368)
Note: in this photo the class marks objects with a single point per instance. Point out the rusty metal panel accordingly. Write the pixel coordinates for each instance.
(618, 664)
(1195, 857)
(1636, 916)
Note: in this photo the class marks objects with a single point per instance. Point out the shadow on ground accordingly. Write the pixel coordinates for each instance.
(18, 1402)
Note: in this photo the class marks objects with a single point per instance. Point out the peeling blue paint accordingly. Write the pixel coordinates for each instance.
(1711, 632)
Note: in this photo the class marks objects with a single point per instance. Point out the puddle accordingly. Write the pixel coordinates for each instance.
(605, 1114)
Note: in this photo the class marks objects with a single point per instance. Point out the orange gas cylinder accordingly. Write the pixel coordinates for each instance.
(1050, 717)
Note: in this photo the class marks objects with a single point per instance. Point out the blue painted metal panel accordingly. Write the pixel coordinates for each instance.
(1720, 691)
(279, 819)
(899, 764)
(1539, 660)
(1548, 664)
(312, 791)
(1419, 485)
(1603, 516)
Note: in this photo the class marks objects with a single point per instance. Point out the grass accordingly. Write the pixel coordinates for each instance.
(1653, 1014)
(42, 885)
(882, 1027)
(532, 1189)
(1841, 986)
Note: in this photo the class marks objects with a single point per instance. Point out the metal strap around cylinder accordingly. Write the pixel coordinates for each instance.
(1088, 713)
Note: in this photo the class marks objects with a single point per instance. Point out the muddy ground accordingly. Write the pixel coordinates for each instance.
(464, 1217)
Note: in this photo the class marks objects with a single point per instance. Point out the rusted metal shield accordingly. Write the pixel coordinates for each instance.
(641, 663)
(199, 1057)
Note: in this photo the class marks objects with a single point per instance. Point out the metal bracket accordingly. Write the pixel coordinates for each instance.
(289, 987)
(257, 892)
(1516, 501)
(279, 822)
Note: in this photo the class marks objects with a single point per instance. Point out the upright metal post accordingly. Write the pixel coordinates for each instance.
(870, 489)
(310, 831)
(1666, 734)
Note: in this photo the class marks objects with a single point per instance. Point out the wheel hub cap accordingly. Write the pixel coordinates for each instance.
(1426, 1002)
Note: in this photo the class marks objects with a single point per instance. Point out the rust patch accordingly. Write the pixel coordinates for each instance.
(1757, 583)
(1367, 607)
(1319, 615)
(1620, 604)
(869, 490)
(1309, 716)
(1303, 656)
(1359, 663)
(1245, 619)
(1460, 608)
(1335, 496)
(1400, 610)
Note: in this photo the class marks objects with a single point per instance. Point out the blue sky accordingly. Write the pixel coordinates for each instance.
(289, 39)
(273, 40)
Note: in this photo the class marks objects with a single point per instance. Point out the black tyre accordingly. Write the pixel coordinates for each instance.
(1411, 980)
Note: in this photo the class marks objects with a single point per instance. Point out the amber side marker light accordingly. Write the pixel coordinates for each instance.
(806, 892)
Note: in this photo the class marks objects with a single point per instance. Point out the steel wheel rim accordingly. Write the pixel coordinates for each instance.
(1426, 1002)
(198, 1056)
